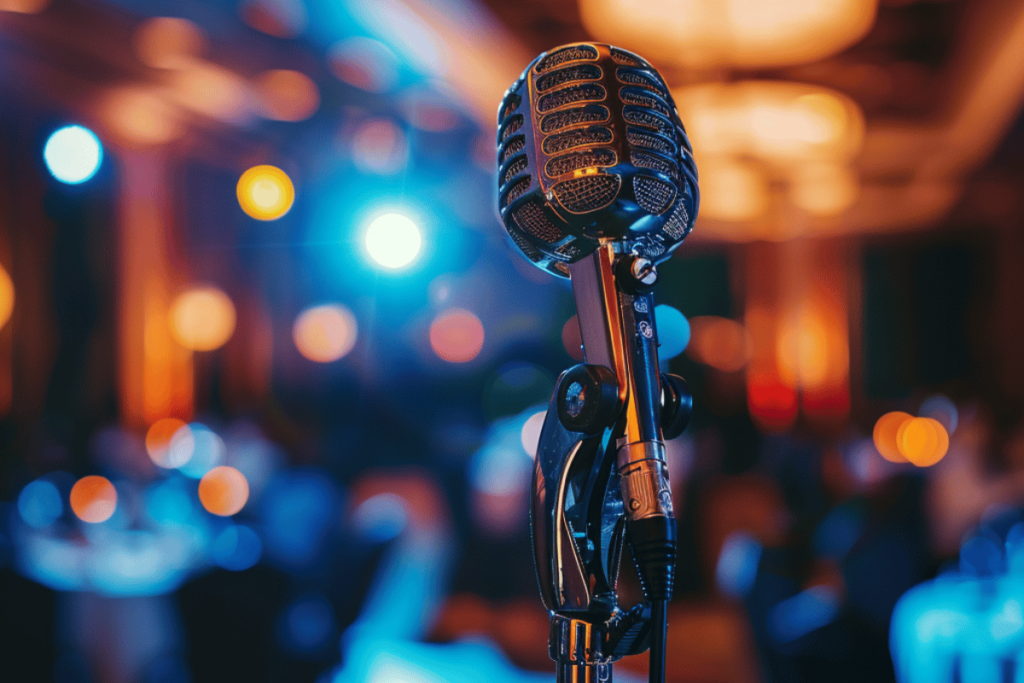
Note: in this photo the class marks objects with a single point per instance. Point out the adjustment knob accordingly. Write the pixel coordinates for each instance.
(588, 398)
(676, 405)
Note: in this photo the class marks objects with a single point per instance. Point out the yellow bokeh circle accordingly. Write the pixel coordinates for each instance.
(202, 319)
(923, 441)
(6, 297)
(265, 192)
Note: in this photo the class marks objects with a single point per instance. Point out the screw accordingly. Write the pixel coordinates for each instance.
(643, 270)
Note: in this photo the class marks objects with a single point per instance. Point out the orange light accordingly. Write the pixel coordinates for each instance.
(572, 339)
(379, 146)
(772, 402)
(325, 333)
(886, 433)
(223, 491)
(287, 95)
(823, 189)
(265, 192)
(93, 499)
(202, 319)
(732, 190)
(278, 19)
(364, 63)
(168, 43)
(719, 33)
(158, 441)
(140, 117)
(719, 343)
(6, 297)
(923, 441)
(23, 6)
(212, 91)
(457, 336)
(803, 349)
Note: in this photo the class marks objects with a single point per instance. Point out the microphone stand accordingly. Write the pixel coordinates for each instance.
(600, 477)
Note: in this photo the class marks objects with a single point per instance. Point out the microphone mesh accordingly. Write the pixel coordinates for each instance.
(590, 92)
(574, 161)
(582, 195)
(583, 72)
(581, 137)
(571, 53)
(591, 113)
(653, 195)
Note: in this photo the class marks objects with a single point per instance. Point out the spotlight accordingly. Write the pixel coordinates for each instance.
(393, 240)
(73, 154)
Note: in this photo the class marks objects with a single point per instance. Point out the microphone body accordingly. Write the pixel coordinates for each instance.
(597, 183)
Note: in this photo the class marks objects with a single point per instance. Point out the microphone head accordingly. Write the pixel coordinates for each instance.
(591, 150)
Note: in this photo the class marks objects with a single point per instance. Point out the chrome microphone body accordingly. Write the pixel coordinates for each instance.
(597, 183)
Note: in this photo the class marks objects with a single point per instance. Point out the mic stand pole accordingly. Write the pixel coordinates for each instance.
(600, 475)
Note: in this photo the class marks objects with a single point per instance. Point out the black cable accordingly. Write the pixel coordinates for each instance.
(659, 633)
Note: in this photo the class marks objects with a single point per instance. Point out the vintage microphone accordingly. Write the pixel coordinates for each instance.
(597, 183)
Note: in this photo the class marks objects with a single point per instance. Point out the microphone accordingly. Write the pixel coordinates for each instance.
(597, 183)
(591, 150)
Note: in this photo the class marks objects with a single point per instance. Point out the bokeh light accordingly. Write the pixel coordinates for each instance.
(393, 240)
(823, 189)
(673, 331)
(457, 336)
(325, 333)
(168, 42)
(212, 91)
(140, 117)
(885, 435)
(364, 63)
(160, 437)
(73, 154)
(39, 504)
(6, 297)
(380, 518)
(23, 6)
(733, 191)
(938, 407)
(379, 146)
(93, 499)
(572, 339)
(720, 343)
(208, 449)
(236, 548)
(923, 441)
(223, 491)
(287, 95)
(265, 192)
(309, 623)
(530, 436)
(202, 318)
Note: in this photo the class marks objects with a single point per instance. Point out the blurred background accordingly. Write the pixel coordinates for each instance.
(271, 376)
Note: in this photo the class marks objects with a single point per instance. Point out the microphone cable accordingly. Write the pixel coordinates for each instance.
(659, 634)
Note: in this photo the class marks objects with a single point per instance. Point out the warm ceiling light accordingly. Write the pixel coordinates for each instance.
(732, 190)
(744, 33)
(775, 121)
(823, 189)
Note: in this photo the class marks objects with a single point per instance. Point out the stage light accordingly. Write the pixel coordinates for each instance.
(530, 435)
(39, 504)
(23, 6)
(265, 192)
(202, 318)
(364, 63)
(168, 42)
(393, 240)
(159, 439)
(236, 548)
(287, 95)
(379, 146)
(720, 343)
(73, 154)
(93, 499)
(457, 336)
(325, 333)
(885, 435)
(208, 450)
(673, 331)
(922, 441)
(6, 297)
(223, 491)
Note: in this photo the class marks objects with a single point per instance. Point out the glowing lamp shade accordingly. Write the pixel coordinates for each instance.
(265, 192)
(73, 154)
(457, 336)
(6, 297)
(93, 499)
(164, 444)
(202, 319)
(923, 441)
(325, 333)
(393, 241)
(223, 491)
(886, 433)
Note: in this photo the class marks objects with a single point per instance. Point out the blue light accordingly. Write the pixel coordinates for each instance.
(380, 518)
(207, 453)
(806, 611)
(299, 509)
(39, 504)
(737, 565)
(236, 548)
(309, 623)
(673, 331)
(73, 154)
(393, 241)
